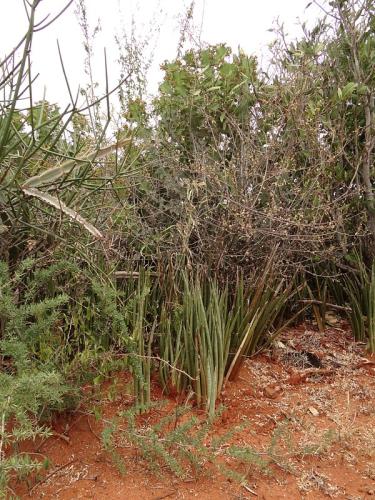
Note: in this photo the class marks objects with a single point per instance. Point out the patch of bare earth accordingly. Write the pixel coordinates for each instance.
(307, 407)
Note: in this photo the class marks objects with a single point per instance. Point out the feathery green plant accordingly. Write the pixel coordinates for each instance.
(27, 389)
(174, 442)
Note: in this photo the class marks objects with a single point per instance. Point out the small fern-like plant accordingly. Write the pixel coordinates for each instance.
(177, 442)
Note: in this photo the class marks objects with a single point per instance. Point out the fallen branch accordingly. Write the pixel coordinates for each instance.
(132, 274)
(51, 474)
(332, 306)
(165, 496)
(92, 430)
(156, 358)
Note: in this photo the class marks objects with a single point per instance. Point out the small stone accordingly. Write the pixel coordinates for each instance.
(331, 318)
(313, 411)
(280, 344)
(272, 391)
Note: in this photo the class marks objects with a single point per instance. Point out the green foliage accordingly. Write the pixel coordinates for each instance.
(184, 444)
(28, 391)
(194, 330)
(204, 332)
(359, 287)
(24, 396)
(21, 317)
(202, 94)
(141, 301)
(228, 163)
(178, 442)
(47, 157)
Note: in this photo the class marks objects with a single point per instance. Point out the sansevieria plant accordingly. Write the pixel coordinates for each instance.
(360, 290)
(206, 335)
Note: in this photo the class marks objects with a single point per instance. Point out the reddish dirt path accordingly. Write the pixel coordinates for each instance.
(330, 406)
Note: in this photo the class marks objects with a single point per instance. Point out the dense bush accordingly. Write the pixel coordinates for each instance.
(182, 202)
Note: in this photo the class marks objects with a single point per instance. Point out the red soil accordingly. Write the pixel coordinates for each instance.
(273, 390)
